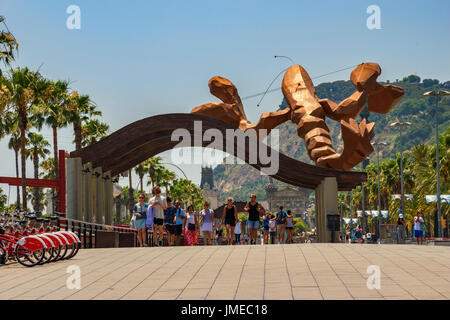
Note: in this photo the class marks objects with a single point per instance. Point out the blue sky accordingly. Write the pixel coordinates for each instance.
(141, 58)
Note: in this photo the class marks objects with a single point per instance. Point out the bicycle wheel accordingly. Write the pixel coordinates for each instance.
(47, 256)
(28, 258)
(75, 247)
(63, 252)
(55, 254)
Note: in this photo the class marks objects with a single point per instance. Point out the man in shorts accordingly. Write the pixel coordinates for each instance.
(169, 217)
(159, 204)
(255, 210)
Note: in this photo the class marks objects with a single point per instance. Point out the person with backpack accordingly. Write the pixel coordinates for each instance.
(281, 225)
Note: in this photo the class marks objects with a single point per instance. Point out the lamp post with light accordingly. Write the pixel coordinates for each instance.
(401, 125)
(377, 145)
(436, 94)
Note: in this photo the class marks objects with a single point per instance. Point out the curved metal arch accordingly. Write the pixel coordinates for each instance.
(148, 137)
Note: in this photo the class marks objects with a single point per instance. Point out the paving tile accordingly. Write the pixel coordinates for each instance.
(299, 271)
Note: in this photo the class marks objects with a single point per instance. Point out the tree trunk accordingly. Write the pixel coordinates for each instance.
(16, 153)
(130, 193)
(141, 178)
(118, 207)
(55, 155)
(23, 160)
(37, 195)
(435, 223)
(77, 133)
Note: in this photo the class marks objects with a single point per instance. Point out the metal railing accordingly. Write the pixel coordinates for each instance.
(86, 231)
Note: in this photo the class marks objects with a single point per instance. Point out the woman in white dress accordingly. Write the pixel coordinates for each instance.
(207, 216)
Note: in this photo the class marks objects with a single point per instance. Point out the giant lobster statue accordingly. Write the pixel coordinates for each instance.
(309, 112)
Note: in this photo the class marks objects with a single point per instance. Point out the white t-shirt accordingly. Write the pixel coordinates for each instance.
(272, 225)
(237, 228)
(190, 218)
(417, 224)
(159, 212)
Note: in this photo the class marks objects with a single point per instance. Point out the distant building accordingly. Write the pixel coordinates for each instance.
(291, 198)
(207, 187)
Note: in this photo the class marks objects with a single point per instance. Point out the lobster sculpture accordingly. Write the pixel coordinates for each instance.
(309, 112)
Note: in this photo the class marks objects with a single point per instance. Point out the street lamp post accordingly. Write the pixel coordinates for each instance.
(436, 94)
(376, 145)
(285, 57)
(400, 125)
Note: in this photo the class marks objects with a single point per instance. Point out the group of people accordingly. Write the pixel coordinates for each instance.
(160, 215)
(419, 225)
(400, 227)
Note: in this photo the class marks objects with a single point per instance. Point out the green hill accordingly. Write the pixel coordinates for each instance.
(240, 180)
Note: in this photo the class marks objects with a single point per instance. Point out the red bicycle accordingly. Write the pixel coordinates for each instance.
(35, 241)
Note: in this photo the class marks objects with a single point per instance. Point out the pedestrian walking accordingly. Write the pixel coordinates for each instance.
(418, 233)
(230, 217)
(273, 229)
(180, 221)
(169, 221)
(358, 234)
(190, 232)
(207, 218)
(140, 214)
(255, 210)
(265, 223)
(400, 228)
(281, 225)
(150, 223)
(237, 233)
(290, 226)
(159, 204)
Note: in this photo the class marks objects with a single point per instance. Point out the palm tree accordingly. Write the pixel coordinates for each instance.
(14, 144)
(48, 172)
(141, 170)
(130, 192)
(8, 44)
(164, 177)
(25, 90)
(80, 109)
(54, 114)
(38, 149)
(187, 192)
(92, 131)
(48, 169)
(154, 166)
(3, 200)
(9, 126)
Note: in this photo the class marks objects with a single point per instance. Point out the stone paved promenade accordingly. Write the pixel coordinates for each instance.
(297, 271)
